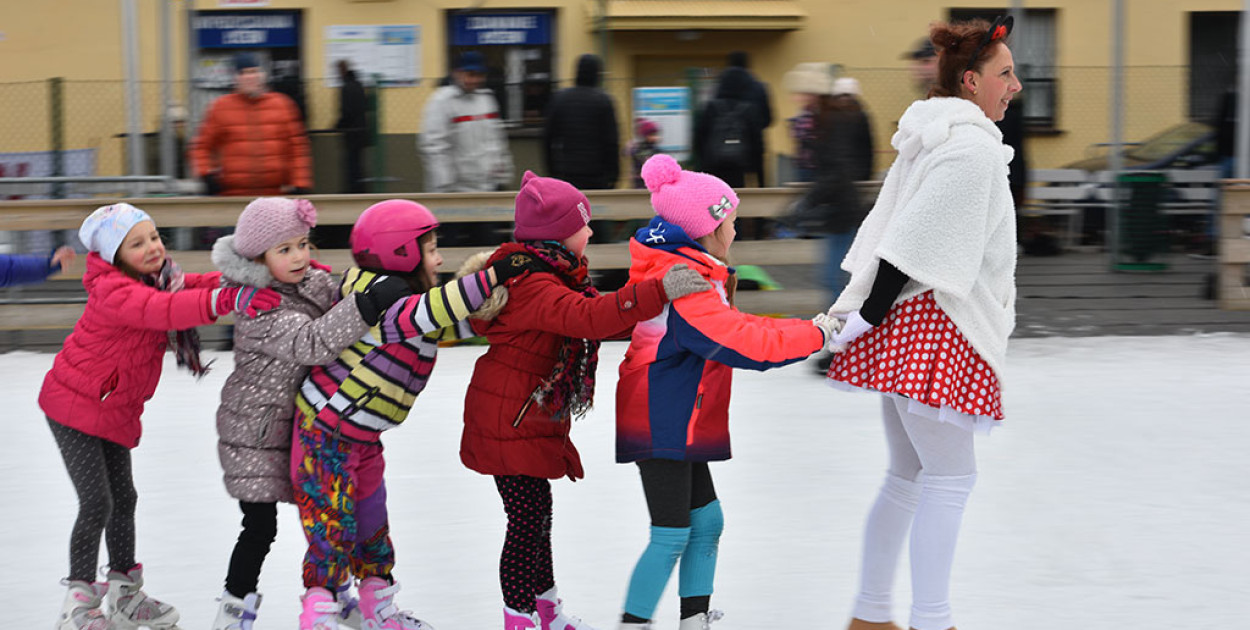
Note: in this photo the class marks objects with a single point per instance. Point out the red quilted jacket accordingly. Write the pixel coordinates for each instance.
(111, 362)
(255, 145)
(525, 340)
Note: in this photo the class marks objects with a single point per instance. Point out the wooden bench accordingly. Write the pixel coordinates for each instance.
(1063, 193)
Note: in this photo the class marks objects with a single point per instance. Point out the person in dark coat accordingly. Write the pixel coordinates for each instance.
(757, 93)
(735, 94)
(353, 123)
(581, 143)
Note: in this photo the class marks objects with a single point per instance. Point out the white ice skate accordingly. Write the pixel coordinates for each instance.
(129, 608)
(701, 621)
(81, 610)
(236, 613)
(629, 625)
(552, 616)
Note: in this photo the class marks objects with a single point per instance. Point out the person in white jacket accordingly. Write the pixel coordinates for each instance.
(462, 140)
(928, 310)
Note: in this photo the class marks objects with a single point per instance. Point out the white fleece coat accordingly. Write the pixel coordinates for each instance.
(945, 217)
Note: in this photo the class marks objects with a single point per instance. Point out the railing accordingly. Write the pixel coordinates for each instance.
(29, 313)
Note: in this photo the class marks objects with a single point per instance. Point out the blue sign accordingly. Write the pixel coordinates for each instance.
(501, 29)
(250, 29)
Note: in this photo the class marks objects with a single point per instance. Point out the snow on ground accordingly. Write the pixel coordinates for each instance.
(1115, 497)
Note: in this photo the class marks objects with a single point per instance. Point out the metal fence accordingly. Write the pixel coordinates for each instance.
(90, 116)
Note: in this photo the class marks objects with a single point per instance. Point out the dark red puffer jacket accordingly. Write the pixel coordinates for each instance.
(254, 145)
(525, 339)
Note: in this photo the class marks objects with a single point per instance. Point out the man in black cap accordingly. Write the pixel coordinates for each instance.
(924, 64)
(462, 140)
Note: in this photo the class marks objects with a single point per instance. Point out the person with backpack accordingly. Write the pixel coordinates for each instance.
(728, 133)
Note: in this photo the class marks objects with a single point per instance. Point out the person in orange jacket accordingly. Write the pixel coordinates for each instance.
(252, 141)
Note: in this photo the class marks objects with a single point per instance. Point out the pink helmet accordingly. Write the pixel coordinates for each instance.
(385, 236)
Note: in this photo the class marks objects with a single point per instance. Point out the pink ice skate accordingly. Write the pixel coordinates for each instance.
(320, 612)
(551, 613)
(378, 611)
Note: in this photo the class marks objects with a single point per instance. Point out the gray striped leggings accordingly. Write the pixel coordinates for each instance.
(100, 472)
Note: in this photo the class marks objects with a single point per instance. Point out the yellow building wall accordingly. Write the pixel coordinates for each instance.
(80, 41)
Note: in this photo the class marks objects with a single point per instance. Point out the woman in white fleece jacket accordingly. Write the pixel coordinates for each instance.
(928, 310)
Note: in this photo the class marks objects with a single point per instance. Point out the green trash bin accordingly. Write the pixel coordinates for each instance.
(1142, 237)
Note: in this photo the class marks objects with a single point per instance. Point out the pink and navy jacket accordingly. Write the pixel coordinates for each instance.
(372, 384)
(672, 398)
(111, 362)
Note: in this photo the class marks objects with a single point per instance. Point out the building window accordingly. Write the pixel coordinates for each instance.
(1033, 47)
(517, 47)
(1212, 60)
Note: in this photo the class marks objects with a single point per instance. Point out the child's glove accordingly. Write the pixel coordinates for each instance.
(829, 326)
(515, 265)
(316, 264)
(852, 329)
(248, 301)
(381, 295)
(680, 281)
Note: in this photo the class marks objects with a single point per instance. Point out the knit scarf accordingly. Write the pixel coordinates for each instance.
(185, 343)
(569, 391)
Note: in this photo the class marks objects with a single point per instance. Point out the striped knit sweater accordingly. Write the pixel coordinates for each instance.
(372, 384)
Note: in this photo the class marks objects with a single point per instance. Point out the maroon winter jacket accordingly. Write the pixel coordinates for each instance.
(525, 339)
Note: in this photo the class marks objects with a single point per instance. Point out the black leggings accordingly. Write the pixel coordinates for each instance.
(101, 474)
(675, 488)
(260, 527)
(525, 565)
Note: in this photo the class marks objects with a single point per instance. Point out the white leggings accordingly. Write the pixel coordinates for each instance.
(932, 470)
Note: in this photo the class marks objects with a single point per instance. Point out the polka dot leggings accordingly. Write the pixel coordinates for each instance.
(101, 474)
(525, 564)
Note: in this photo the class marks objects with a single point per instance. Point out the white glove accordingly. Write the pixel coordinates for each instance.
(853, 329)
(828, 326)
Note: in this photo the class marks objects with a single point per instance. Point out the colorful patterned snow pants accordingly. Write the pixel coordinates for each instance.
(342, 506)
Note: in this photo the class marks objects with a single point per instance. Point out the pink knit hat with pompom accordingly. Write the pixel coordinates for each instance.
(268, 221)
(695, 202)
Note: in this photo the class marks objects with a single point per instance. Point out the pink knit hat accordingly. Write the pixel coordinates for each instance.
(549, 209)
(268, 221)
(695, 202)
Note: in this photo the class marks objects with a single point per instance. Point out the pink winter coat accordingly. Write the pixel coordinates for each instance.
(111, 362)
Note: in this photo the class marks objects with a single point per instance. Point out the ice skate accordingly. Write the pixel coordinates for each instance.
(551, 613)
(236, 613)
(860, 624)
(516, 620)
(349, 605)
(81, 610)
(129, 608)
(378, 611)
(629, 625)
(320, 611)
(701, 621)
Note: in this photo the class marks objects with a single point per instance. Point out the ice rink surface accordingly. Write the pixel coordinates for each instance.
(1117, 495)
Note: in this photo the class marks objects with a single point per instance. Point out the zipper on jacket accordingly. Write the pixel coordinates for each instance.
(524, 408)
(694, 418)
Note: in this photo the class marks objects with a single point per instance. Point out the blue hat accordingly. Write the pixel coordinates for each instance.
(243, 61)
(471, 61)
(107, 227)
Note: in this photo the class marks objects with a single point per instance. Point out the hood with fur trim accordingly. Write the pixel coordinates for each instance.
(238, 269)
(498, 298)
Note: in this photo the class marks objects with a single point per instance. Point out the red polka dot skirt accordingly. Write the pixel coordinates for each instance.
(918, 353)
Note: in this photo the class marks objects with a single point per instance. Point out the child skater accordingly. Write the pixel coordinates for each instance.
(539, 375)
(344, 406)
(672, 398)
(93, 398)
(15, 270)
(272, 354)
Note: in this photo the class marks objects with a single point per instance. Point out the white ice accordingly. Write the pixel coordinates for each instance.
(1115, 496)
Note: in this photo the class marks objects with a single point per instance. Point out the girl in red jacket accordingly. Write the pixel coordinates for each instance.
(94, 394)
(672, 398)
(538, 375)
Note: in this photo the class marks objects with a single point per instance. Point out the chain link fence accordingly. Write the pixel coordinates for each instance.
(92, 116)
